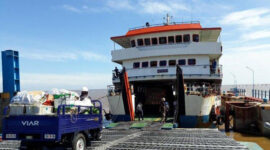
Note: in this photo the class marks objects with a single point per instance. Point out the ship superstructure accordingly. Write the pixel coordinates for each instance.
(150, 55)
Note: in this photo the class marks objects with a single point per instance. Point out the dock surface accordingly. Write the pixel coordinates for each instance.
(166, 139)
(151, 138)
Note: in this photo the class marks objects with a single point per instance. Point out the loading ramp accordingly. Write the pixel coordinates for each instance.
(151, 138)
(166, 139)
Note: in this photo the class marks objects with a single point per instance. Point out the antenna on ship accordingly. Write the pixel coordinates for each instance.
(168, 19)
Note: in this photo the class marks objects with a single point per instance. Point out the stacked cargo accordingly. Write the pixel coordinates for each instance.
(41, 103)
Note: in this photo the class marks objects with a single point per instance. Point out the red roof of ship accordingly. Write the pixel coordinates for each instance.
(164, 28)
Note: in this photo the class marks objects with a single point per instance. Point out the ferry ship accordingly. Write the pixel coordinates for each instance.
(151, 55)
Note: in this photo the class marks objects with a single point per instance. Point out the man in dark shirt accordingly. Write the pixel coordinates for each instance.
(139, 110)
(116, 72)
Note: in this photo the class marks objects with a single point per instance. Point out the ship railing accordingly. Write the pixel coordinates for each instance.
(162, 24)
(209, 70)
(203, 90)
(150, 47)
(112, 91)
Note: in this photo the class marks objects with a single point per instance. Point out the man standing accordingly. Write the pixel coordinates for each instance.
(163, 109)
(85, 100)
(139, 110)
(116, 72)
(84, 96)
(214, 65)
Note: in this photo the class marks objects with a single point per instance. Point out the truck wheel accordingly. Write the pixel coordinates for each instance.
(98, 135)
(79, 142)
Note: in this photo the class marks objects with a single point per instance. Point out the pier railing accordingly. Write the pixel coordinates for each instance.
(162, 24)
(256, 93)
(262, 94)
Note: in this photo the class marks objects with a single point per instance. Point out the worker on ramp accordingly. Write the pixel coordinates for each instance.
(139, 111)
(163, 109)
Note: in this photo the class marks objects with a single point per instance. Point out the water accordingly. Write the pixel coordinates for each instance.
(263, 142)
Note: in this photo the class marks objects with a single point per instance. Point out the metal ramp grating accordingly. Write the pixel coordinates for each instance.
(166, 139)
(175, 139)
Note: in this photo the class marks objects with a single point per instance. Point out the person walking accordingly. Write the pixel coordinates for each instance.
(163, 109)
(167, 107)
(139, 110)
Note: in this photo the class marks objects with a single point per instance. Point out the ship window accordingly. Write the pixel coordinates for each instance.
(162, 63)
(178, 38)
(153, 63)
(181, 62)
(172, 62)
(162, 40)
(145, 64)
(154, 41)
(195, 37)
(136, 65)
(147, 41)
(133, 43)
(140, 42)
(191, 61)
(186, 38)
(171, 39)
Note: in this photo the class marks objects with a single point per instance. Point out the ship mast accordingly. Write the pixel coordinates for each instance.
(168, 19)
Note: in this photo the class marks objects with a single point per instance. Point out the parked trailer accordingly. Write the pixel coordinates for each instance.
(76, 129)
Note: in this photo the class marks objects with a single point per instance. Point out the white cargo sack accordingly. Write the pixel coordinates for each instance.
(25, 97)
(66, 100)
(22, 98)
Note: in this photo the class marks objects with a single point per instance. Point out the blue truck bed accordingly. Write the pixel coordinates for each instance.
(46, 128)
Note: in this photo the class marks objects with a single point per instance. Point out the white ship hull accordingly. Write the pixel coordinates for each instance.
(197, 109)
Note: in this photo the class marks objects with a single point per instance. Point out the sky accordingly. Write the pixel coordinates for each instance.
(66, 43)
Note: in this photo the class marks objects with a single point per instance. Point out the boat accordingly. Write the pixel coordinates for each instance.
(153, 56)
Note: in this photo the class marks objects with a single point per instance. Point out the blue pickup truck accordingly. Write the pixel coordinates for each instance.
(74, 128)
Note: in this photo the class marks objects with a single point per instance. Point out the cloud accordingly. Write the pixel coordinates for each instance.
(93, 56)
(141, 6)
(255, 48)
(64, 56)
(120, 4)
(107, 7)
(71, 8)
(155, 7)
(236, 60)
(36, 81)
(256, 35)
(247, 18)
(72, 81)
(50, 56)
